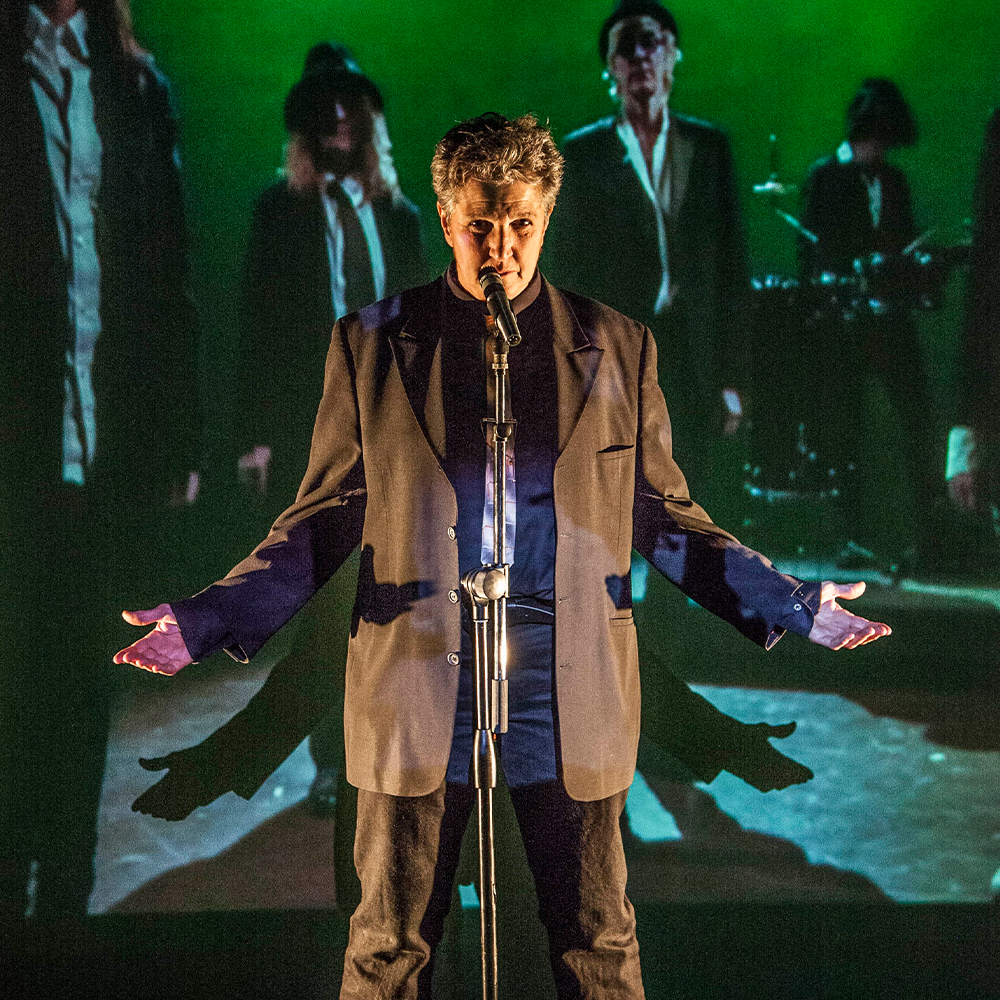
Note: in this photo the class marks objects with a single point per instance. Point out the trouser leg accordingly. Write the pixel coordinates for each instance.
(344, 822)
(580, 879)
(53, 737)
(406, 853)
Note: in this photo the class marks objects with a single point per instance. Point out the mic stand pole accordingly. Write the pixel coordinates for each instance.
(487, 589)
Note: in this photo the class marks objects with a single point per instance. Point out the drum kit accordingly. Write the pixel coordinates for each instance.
(792, 316)
(877, 283)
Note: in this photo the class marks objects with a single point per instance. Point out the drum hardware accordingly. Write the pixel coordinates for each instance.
(773, 187)
(808, 480)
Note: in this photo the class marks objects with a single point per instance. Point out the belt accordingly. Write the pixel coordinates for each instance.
(530, 613)
(520, 612)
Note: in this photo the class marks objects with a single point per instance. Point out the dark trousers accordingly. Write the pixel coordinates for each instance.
(54, 716)
(407, 852)
(888, 349)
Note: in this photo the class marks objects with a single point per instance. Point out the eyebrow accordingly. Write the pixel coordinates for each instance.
(509, 208)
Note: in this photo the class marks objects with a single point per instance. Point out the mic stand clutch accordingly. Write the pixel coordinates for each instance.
(486, 590)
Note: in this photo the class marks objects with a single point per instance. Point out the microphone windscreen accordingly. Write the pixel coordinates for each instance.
(490, 280)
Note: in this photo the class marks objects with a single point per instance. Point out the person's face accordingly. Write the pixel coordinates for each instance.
(346, 136)
(498, 224)
(869, 151)
(641, 58)
(58, 11)
(341, 152)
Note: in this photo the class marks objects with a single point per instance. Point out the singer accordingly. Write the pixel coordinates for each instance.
(398, 465)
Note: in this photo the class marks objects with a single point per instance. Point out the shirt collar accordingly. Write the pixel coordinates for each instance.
(633, 153)
(351, 187)
(354, 191)
(72, 36)
(518, 303)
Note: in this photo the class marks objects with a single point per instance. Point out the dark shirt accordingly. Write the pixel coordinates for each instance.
(528, 749)
(533, 403)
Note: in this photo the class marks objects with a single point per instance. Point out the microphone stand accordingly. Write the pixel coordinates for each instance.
(486, 590)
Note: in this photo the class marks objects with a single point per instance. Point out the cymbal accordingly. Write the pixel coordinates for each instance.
(775, 188)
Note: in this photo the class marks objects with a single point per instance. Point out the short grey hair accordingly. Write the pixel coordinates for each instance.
(496, 150)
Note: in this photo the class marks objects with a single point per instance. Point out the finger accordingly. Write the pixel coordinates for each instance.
(873, 630)
(135, 655)
(844, 642)
(877, 632)
(148, 659)
(150, 616)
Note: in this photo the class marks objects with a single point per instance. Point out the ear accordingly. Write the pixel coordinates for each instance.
(445, 227)
(548, 216)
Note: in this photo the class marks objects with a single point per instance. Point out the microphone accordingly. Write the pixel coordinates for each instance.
(498, 304)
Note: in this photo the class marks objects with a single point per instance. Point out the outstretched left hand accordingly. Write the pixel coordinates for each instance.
(835, 627)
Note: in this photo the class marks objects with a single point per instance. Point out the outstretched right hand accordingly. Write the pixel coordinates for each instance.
(161, 651)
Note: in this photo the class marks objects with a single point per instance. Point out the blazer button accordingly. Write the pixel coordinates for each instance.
(453, 596)
(453, 659)
(451, 532)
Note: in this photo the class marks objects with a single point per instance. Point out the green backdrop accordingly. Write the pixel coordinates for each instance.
(786, 68)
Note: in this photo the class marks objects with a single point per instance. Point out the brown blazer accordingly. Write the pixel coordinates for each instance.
(375, 477)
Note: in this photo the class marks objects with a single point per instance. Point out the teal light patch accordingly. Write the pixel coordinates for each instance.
(468, 897)
(647, 819)
(640, 578)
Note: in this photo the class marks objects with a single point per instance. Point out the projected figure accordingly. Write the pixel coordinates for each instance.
(334, 235)
(98, 408)
(858, 206)
(397, 465)
(649, 222)
(974, 457)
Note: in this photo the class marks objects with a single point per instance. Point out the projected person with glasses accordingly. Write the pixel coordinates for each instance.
(649, 222)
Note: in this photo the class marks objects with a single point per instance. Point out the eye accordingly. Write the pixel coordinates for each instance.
(521, 224)
(480, 227)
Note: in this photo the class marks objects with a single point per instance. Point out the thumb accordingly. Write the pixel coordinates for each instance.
(848, 591)
(780, 732)
(155, 763)
(150, 617)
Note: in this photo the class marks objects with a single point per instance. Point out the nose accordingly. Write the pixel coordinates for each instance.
(501, 243)
(641, 51)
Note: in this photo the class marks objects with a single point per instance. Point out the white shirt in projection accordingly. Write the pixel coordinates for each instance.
(656, 184)
(59, 62)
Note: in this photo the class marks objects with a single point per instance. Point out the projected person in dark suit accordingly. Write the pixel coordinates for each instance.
(649, 222)
(397, 466)
(334, 235)
(859, 207)
(98, 408)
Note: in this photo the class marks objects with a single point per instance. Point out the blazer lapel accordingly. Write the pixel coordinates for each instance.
(417, 350)
(577, 359)
(680, 151)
